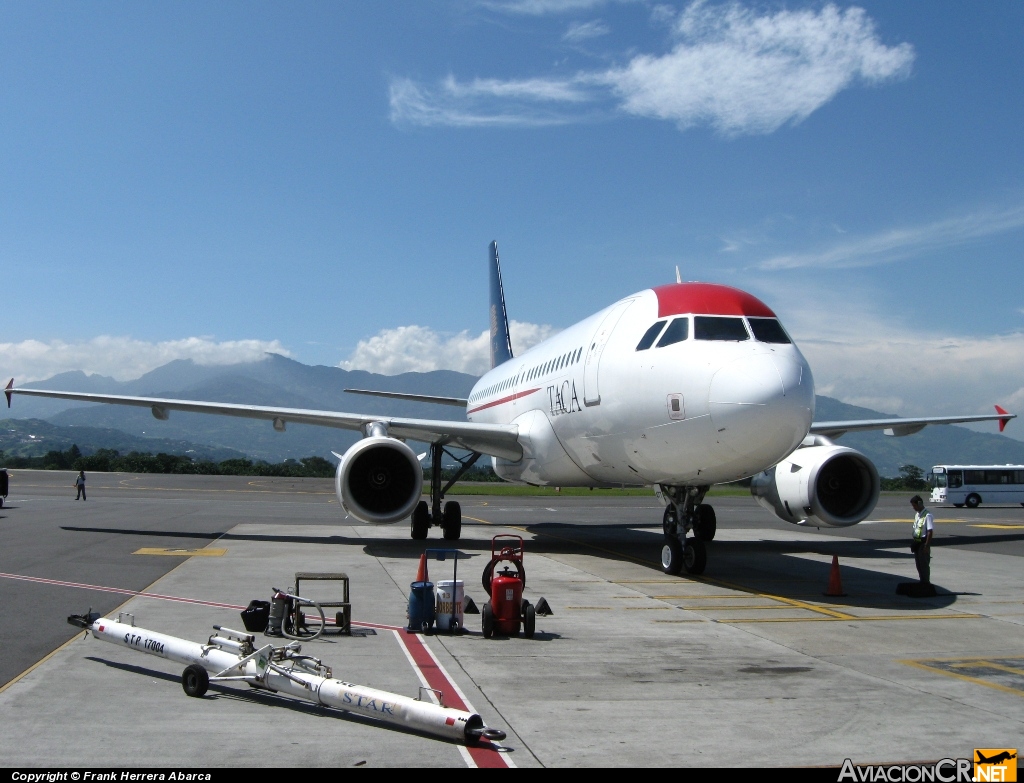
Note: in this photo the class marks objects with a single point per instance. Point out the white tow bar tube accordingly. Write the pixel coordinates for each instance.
(232, 656)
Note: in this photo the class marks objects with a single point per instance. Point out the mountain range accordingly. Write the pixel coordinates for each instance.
(279, 381)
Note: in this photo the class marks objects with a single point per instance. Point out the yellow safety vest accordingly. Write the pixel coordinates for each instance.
(919, 524)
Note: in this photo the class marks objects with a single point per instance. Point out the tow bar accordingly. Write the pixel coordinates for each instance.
(231, 656)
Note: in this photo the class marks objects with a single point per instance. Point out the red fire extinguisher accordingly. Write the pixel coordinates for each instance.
(507, 609)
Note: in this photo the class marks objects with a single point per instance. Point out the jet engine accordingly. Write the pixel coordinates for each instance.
(379, 480)
(819, 485)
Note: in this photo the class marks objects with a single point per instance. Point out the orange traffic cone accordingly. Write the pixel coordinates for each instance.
(421, 573)
(835, 584)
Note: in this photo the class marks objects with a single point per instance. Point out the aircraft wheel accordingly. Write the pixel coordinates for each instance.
(973, 500)
(487, 620)
(529, 621)
(707, 523)
(668, 520)
(672, 556)
(452, 522)
(695, 556)
(420, 520)
(195, 680)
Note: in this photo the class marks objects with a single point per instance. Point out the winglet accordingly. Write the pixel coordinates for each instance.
(7, 391)
(1000, 411)
(501, 343)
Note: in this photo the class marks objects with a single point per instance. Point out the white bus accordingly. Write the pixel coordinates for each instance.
(972, 485)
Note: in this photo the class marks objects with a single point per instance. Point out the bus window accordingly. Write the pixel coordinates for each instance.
(956, 479)
(974, 476)
(937, 480)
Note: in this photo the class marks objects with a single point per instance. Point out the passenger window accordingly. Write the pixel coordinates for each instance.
(709, 327)
(768, 330)
(650, 336)
(677, 331)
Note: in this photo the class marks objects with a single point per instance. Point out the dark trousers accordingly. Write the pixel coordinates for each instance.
(922, 559)
(81, 492)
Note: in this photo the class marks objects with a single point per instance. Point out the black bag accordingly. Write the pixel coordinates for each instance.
(256, 615)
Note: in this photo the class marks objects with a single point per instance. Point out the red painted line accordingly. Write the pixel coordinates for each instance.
(117, 590)
(509, 398)
(484, 755)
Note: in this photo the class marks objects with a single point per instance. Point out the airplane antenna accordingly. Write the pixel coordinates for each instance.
(679, 277)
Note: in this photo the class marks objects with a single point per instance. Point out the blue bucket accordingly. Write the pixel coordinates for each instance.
(421, 607)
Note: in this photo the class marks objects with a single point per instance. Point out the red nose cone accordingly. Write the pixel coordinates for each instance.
(708, 299)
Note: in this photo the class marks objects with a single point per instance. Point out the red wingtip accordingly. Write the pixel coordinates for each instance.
(7, 391)
(1002, 422)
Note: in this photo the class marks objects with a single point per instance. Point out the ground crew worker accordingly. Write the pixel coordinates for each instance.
(924, 525)
(80, 484)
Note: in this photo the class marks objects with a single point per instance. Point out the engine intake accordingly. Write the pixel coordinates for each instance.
(379, 480)
(821, 485)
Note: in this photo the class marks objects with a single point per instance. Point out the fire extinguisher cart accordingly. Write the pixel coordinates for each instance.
(506, 610)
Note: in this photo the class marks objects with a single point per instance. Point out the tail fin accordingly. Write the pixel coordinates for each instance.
(501, 343)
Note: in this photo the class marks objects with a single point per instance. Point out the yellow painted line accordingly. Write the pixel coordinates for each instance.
(964, 677)
(699, 579)
(724, 608)
(44, 659)
(647, 608)
(854, 619)
(714, 597)
(646, 581)
(988, 665)
(680, 621)
(603, 608)
(147, 550)
(910, 521)
(994, 526)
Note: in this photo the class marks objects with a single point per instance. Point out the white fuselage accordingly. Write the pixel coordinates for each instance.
(593, 409)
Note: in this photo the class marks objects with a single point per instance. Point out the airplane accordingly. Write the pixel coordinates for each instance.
(677, 387)
(1004, 756)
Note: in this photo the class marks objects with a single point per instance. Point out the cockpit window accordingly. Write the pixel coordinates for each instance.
(650, 336)
(709, 327)
(677, 331)
(768, 330)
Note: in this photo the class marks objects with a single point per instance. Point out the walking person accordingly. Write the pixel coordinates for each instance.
(80, 484)
(924, 525)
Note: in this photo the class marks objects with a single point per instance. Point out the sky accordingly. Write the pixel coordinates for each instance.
(321, 179)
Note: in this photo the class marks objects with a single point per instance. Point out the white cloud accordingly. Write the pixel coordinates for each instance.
(481, 103)
(900, 243)
(735, 69)
(541, 7)
(122, 357)
(744, 72)
(584, 31)
(863, 357)
(421, 349)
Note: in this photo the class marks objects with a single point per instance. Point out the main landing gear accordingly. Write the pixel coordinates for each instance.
(450, 518)
(684, 513)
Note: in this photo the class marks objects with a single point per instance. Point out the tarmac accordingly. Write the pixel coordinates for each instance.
(749, 665)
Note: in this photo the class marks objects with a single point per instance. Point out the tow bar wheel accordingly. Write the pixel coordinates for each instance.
(195, 680)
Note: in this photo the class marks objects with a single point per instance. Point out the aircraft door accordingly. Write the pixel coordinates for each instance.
(591, 390)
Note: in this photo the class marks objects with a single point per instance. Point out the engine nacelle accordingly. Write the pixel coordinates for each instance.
(379, 480)
(819, 485)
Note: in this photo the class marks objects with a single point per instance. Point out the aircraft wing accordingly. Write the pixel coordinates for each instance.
(900, 427)
(458, 401)
(498, 440)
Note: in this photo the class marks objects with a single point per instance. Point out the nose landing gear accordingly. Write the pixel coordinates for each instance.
(685, 513)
